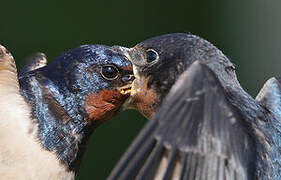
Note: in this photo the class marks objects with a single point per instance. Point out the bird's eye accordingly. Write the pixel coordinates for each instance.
(109, 72)
(152, 55)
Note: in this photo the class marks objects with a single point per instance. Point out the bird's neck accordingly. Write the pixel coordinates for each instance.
(62, 123)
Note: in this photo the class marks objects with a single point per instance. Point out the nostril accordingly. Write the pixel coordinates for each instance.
(128, 78)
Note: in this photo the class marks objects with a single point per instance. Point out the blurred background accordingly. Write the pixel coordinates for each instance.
(248, 32)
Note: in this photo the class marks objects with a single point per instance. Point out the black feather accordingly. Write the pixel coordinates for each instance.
(196, 128)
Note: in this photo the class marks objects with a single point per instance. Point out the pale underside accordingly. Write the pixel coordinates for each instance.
(21, 155)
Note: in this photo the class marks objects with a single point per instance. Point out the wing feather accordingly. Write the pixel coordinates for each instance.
(196, 134)
(270, 97)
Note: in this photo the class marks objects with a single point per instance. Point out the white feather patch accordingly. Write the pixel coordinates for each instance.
(21, 156)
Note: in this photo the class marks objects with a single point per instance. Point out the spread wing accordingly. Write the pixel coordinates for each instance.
(196, 134)
(36, 61)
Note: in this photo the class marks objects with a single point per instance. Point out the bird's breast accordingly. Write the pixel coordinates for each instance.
(21, 154)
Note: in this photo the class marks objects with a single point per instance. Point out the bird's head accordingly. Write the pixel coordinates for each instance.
(74, 94)
(94, 76)
(99, 76)
(159, 61)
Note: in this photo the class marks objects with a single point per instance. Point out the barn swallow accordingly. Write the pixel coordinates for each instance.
(204, 125)
(49, 112)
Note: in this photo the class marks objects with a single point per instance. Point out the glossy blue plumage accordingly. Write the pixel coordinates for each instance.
(57, 94)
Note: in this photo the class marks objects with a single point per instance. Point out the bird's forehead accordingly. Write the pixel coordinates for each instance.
(108, 56)
(167, 39)
(169, 45)
(91, 55)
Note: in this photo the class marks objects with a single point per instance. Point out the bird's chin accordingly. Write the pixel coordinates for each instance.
(141, 98)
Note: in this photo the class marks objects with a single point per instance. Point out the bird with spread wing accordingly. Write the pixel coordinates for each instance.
(203, 124)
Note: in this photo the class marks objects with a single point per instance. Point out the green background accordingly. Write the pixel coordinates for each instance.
(248, 32)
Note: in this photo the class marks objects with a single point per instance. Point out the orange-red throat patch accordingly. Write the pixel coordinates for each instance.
(103, 105)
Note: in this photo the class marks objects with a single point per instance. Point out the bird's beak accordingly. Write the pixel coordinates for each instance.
(123, 50)
(133, 56)
(125, 90)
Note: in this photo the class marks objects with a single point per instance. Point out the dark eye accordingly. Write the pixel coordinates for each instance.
(152, 55)
(109, 72)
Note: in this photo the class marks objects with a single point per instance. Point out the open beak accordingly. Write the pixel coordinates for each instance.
(125, 90)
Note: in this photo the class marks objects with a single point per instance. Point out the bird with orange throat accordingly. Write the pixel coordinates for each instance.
(48, 112)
